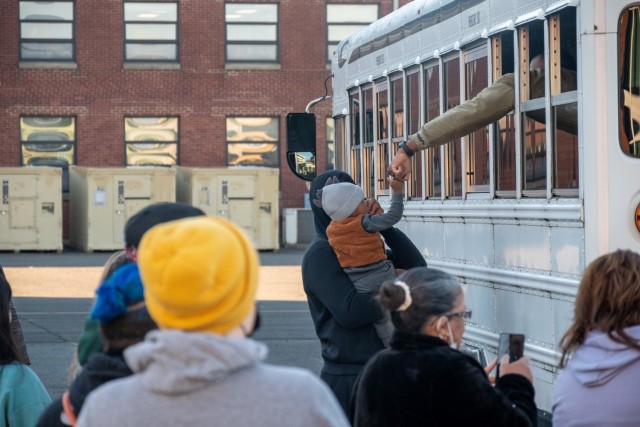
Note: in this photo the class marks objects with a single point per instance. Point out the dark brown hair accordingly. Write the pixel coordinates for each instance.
(433, 293)
(126, 330)
(608, 299)
(8, 348)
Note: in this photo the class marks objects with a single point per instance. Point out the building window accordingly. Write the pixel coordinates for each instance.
(151, 32)
(46, 31)
(48, 141)
(251, 32)
(151, 141)
(253, 141)
(344, 20)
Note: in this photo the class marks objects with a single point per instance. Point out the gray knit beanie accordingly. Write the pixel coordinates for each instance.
(340, 200)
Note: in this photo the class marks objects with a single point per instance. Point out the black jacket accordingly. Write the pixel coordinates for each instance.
(421, 381)
(100, 368)
(344, 318)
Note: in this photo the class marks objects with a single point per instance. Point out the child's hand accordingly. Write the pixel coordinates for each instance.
(396, 184)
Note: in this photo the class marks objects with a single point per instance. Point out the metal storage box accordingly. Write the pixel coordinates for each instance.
(102, 199)
(31, 209)
(247, 196)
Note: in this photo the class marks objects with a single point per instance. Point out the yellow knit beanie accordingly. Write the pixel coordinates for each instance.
(199, 274)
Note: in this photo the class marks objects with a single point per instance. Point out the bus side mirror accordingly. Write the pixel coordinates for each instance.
(301, 144)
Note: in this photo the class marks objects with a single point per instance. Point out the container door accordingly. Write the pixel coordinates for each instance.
(237, 202)
(18, 209)
(132, 193)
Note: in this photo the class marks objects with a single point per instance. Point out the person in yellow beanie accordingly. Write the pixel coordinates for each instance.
(200, 276)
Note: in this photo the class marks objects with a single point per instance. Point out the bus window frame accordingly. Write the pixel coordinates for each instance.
(355, 129)
(367, 150)
(470, 54)
(430, 153)
(527, 105)
(382, 144)
(448, 158)
(497, 58)
(622, 42)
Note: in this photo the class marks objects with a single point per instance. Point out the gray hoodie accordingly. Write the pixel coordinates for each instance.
(203, 379)
(600, 385)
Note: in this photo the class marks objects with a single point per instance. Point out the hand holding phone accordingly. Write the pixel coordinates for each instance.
(511, 345)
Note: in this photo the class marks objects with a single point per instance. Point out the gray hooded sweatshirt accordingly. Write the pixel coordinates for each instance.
(202, 379)
(600, 385)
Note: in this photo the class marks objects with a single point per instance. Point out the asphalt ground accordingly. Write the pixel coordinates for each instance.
(53, 294)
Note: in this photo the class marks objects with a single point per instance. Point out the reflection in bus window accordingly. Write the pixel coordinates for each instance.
(535, 152)
(413, 115)
(382, 147)
(382, 100)
(397, 109)
(566, 151)
(478, 141)
(355, 118)
(340, 162)
(331, 144)
(368, 183)
(432, 110)
(454, 161)
(356, 142)
(505, 154)
(629, 76)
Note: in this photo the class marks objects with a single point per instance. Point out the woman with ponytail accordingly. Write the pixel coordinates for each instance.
(423, 379)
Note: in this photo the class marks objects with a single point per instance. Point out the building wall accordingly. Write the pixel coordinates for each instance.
(100, 91)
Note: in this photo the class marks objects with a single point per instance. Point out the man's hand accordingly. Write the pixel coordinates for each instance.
(401, 163)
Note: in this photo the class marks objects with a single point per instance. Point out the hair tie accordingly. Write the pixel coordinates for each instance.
(407, 295)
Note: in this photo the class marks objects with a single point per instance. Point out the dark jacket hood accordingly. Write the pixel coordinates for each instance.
(320, 219)
(100, 368)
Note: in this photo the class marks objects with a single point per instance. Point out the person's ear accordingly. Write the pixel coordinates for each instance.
(441, 328)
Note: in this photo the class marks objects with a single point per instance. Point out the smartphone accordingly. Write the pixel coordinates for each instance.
(511, 344)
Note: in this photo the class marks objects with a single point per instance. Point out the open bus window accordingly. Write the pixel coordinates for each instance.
(629, 77)
(502, 54)
(564, 101)
(477, 147)
(431, 111)
(532, 66)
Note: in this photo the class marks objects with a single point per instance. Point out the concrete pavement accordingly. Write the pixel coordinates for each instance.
(54, 292)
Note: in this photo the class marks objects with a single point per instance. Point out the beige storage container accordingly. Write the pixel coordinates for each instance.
(31, 209)
(102, 199)
(247, 196)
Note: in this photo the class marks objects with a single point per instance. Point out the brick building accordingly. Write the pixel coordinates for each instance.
(203, 83)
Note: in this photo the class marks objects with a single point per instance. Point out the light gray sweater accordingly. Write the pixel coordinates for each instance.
(203, 379)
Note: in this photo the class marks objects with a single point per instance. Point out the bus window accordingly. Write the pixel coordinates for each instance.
(564, 105)
(477, 147)
(502, 50)
(340, 161)
(629, 77)
(453, 169)
(532, 67)
(397, 119)
(356, 143)
(331, 142)
(431, 111)
(534, 142)
(415, 190)
(382, 146)
(368, 183)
